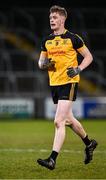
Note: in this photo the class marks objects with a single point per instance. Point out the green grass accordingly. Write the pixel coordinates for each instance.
(23, 142)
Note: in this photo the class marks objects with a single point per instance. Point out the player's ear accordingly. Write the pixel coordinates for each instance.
(63, 20)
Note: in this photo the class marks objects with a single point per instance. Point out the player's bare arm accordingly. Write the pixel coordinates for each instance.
(73, 71)
(87, 58)
(42, 58)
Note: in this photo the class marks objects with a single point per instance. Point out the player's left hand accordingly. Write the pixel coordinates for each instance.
(71, 72)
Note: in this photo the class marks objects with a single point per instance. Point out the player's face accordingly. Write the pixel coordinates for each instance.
(55, 21)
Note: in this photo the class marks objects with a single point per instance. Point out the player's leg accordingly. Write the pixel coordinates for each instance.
(76, 126)
(61, 113)
(60, 121)
(79, 130)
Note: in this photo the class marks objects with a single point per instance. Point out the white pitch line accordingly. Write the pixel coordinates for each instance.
(19, 150)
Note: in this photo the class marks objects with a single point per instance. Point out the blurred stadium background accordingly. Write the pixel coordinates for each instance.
(25, 99)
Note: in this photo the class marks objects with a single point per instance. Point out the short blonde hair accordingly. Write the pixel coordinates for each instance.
(58, 9)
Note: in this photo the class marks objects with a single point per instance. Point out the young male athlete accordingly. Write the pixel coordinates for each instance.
(59, 57)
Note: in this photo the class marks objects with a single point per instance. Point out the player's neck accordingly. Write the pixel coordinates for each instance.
(60, 31)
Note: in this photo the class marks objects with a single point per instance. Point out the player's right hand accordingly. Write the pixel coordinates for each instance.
(49, 64)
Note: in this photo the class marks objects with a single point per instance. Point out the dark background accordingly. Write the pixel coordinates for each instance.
(45, 3)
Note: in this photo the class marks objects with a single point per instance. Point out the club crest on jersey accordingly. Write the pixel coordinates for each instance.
(56, 43)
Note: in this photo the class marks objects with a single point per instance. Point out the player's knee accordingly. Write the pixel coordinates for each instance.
(58, 123)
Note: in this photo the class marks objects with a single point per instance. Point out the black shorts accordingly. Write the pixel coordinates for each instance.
(64, 92)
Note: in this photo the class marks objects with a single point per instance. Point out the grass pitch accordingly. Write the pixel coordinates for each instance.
(22, 142)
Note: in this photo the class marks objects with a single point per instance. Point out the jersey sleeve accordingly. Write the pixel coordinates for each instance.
(43, 47)
(77, 42)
